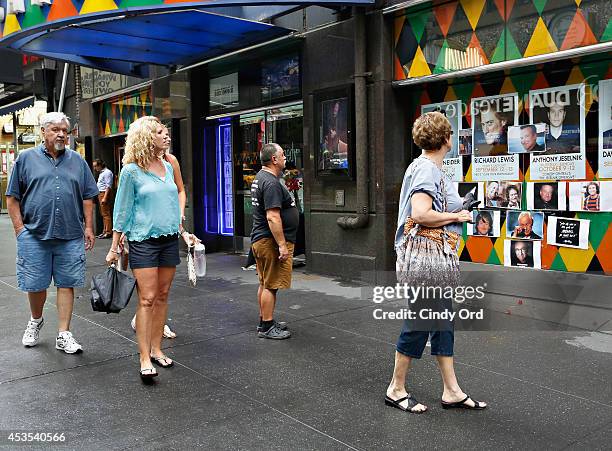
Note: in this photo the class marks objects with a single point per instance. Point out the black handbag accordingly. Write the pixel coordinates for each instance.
(111, 291)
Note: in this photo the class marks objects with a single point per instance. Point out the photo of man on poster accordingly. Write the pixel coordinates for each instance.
(607, 134)
(491, 117)
(559, 108)
(545, 196)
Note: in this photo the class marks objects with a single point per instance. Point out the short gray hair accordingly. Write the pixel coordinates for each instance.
(267, 152)
(53, 118)
(525, 214)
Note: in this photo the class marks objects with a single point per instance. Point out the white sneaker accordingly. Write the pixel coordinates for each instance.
(167, 331)
(66, 342)
(31, 334)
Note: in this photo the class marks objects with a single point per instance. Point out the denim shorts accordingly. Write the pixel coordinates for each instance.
(40, 260)
(411, 343)
(155, 252)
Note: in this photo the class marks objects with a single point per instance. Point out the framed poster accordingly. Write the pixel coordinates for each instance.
(465, 141)
(476, 188)
(503, 194)
(528, 138)
(590, 196)
(525, 225)
(605, 129)
(335, 151)
(280, 78)
(451, 165)
(568, 232)
(523, 254)
(486, 223)
(491, 117)
(562, 110)
(546, 196)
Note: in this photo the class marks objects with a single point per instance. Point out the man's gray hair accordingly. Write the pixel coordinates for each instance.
(525, 214)
(53, 118)
(267, 152)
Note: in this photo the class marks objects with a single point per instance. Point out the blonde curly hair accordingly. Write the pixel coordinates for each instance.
(139, 147)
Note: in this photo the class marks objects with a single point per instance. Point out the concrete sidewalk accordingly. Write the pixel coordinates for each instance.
(547, 384)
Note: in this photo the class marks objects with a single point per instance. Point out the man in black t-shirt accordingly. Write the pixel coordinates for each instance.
(275, 225)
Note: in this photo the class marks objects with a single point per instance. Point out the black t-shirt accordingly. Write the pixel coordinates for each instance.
(268, 192)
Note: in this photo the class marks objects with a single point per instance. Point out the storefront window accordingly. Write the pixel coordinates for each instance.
(283, 126)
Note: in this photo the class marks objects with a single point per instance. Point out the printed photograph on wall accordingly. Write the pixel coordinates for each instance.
(546, 195)
(528, 138)
(465, 141)
(605, 128)
(451, 165)
(486, 223)
(567, 232)
(525, 225)
(491, 118)
(475, 188)
(523, 254)
(562, 110)
(503, 194)
(590, 196)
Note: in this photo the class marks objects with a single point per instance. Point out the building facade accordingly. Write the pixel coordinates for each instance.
(340, 95)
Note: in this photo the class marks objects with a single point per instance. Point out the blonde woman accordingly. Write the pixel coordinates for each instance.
(182, 195)
(147, 211)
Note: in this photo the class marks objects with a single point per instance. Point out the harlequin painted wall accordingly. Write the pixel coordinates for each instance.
(116, 115)
(62, 9)
(598, 257)
(440, 36)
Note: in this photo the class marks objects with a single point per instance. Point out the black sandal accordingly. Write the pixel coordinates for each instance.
(463, 405)
(146, 374)
(162, 361)
(412, 402)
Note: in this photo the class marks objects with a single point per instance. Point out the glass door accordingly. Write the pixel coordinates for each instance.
(284, 126)
(250, 139)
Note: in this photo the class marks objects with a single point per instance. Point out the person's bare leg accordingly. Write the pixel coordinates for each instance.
(259, 293)
(147, 286)
(65, 304)
(268, 302)
(397, 387)
(37, 303)
(452, 392)
(160, 309)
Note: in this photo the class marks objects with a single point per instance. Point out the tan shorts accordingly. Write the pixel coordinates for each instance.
(273, 273)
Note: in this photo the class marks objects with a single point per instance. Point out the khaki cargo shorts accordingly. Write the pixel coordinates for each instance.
(273, 273)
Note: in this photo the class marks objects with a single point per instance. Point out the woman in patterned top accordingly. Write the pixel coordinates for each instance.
(426, 242)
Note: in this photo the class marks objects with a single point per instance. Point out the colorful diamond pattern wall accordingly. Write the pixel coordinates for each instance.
(438, 36)
(598, 258)
(115, 115)
(62, 9)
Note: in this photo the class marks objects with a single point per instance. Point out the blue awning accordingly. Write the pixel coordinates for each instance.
(17, 105)
(126, 42)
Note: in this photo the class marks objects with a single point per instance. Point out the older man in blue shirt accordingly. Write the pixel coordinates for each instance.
(50, 202)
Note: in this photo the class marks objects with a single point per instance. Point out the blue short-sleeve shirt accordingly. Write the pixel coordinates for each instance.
(51, 192)
(146, 206)
(423, 176)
